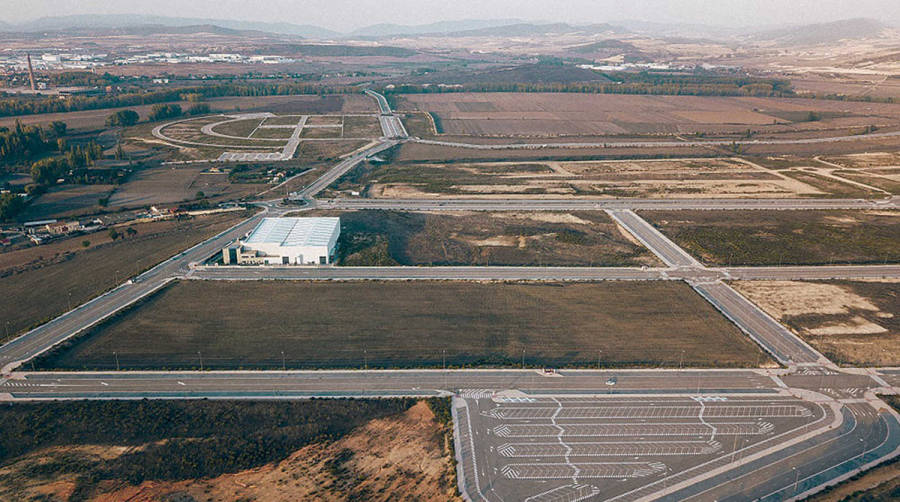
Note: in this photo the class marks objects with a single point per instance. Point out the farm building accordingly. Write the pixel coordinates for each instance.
(287, 241)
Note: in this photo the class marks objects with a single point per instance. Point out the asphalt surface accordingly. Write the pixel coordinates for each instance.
(653, 239)
(73, 322)
(656, 144)
(603, 204)
(780, 342)
(796, 455)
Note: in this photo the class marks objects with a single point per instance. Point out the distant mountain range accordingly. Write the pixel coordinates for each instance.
(120, 21)
(823, 33)
(140, 24)
(393, 30)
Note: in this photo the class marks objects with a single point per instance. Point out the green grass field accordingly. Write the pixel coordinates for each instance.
(413, 324)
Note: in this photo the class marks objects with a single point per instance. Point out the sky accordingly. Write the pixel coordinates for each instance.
(345, 15)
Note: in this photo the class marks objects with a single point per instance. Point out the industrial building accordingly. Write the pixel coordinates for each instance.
(287, 241)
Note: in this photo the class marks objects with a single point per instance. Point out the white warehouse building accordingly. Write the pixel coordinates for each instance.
(287, 241)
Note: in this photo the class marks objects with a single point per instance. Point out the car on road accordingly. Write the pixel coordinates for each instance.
(612, 381)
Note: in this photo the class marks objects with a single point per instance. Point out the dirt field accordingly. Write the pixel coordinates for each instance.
(414, 324)
(515, 239)
(783, 237)
(172, 184)
(66, 200)
(362, 127)
(721, 177)
(571, 114)
(44, 281)
(852, 323)
(313, 450)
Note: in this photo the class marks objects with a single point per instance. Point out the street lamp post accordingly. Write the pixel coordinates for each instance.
(200, 355)
(283, 362)
(116, 354)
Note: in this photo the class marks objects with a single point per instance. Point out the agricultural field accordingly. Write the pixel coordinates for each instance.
(173, 184)
(675, 178)
(572, 114)
(783, 237)
(851, 322)
(66, 201)
(385, 238)
(226, 450)
(412, 324)
(44, 281)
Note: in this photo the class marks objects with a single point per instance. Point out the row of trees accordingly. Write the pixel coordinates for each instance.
(20, 106)
(24, 143)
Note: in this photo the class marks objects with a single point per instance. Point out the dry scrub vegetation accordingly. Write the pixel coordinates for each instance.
(851, 322)
(190, 451)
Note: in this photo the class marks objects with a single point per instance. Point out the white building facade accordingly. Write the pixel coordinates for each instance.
(287, 241)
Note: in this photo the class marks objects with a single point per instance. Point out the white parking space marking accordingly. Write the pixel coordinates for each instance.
(567, 493)
(587, 470)
(626, 430)
(655, 448)
(665, 411)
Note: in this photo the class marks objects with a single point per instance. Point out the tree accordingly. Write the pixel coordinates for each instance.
(162, 112)
(59, 128)
(85, 244)
(123, 118)
(131, 231)
(201, 195)
(10, 205)
(200, 109)
(114, 234)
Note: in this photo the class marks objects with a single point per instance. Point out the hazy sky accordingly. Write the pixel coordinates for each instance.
(350, 14)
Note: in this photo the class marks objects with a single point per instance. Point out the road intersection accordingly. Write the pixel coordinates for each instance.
(694, 434)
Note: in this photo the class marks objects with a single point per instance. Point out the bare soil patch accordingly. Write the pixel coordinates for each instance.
(853, 323)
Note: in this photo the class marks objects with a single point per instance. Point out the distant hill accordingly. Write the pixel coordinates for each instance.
(823, 33)
(118, 21)
(604, 46)
(535, 73)
(389, 30)
(531, 29)
(158, 29)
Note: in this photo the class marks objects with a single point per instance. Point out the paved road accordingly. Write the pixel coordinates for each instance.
(824, 272)
(785, 346)
(274, 384)
(430, 273)
(342, 168)
(603, 204)
(45, 336)
(656, 144)
(653, 239)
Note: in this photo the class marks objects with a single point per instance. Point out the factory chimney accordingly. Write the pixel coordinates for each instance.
(31, 72)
